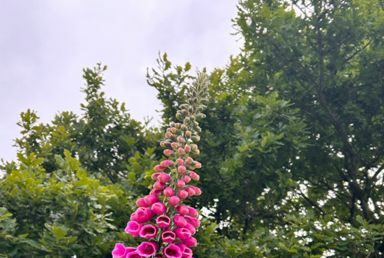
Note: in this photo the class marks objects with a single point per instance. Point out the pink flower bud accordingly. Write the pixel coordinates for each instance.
(169, 192)
(166, 163)
(180, 183)
(158, 185)
(182, 194)
(168, 135)
(158, 168)
(187, 148)
(158, 208)
(168, 236)
(182, 233)
(172, 251)
(142, 215)
(186, 179)
(188, 134)
(147, 249)
(193, 221)
(155, 175)
(119, 251)
(163, 221)
(167, 152)
(155, 192)
(188, 160)
(151, 199)
(164, 177)
(163, 144)
(148, 231)
(190, 242)
(173, 130)
(133, 228)
(197, 164)
(190, 191)
(174, 200)
(180, 162)
(181, 151)
(192, 212)
(194, 175)
(181, 169)
(197, 190)
(180, 139)
(179, 221)
(174, 145)
(191, 228)
(183, 210)
(141, 202)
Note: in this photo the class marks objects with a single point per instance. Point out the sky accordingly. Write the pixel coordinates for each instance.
(45, 44)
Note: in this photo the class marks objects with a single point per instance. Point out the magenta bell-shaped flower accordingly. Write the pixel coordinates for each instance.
(147, 249)
(148, 231)
(172, 251)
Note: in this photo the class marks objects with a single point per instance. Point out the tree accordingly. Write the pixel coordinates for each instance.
(297, 119)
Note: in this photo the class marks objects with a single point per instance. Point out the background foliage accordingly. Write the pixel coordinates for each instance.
(291, 146)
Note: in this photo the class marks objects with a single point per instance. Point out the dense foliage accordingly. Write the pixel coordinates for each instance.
(292, 146)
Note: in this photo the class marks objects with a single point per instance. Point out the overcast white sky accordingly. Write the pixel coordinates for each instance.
(44, 44)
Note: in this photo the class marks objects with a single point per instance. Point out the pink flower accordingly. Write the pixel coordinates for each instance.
(167, 152)
(134, 254)
(186, 252)
(190, 241)
(141, 202)
(186, 179)
(180, 162)
(181, 169)
(180, 183)
(119, 251)
(163, 221)
(164, 177)
(133, 228)
(174, 200)
(179, 221)
(158, 208)
(182, 194)
(142, 215)
(196, 189)
(187, 148)
(158, 168)
(158, 185)
(172, 251)
(194, 175)
(190, 191)
(174, 145)
(168, 236)
(148, 231)
(151, 199)
(181, 151)
(147, 249)
(192, 212)
(130, 249)
(182, 233)
(188, 160)
(191, 228)
(193, 221)
(168, 192)
(183, 210)
(166, 163)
